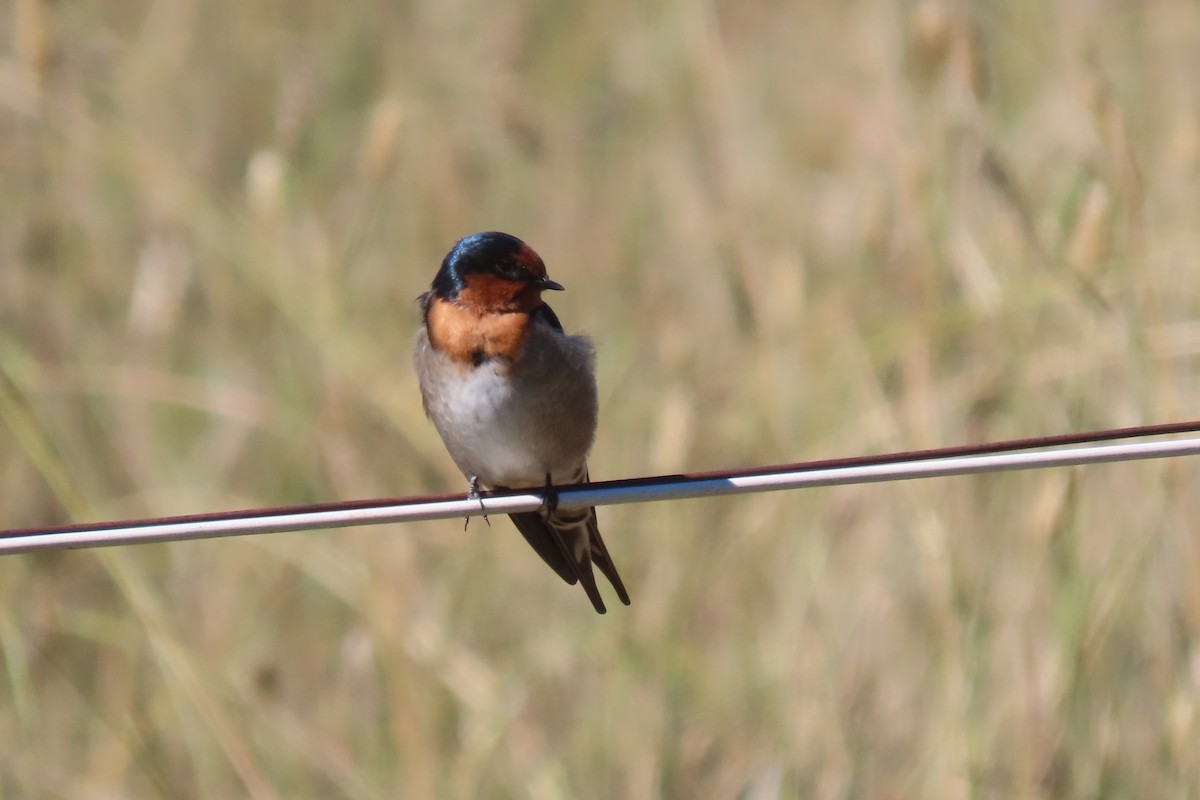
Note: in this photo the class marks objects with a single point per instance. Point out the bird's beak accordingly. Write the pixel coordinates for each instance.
(542, 284)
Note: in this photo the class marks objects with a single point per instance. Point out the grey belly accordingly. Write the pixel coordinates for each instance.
(511, 428)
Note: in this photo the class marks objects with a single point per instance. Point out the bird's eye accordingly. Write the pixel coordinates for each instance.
(512, 271)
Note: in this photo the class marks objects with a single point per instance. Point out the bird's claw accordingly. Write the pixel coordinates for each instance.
(550, 496)
(473, 494)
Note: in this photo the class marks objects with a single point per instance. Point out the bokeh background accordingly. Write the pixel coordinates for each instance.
(795, 229)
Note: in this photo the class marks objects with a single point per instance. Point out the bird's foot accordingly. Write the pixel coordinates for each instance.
(549, 496)
(473, 494)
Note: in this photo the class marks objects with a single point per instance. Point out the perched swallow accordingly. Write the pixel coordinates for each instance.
(513, 396)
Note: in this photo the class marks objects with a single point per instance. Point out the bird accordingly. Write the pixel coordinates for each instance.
(513, 396)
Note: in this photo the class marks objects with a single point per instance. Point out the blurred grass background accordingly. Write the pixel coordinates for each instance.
(796, 230)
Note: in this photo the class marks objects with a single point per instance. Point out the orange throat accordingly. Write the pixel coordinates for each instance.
(468, 335)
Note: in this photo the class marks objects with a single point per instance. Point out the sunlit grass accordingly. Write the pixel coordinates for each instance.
(794, 231)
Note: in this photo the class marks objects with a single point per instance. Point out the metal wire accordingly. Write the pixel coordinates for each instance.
(891, 467)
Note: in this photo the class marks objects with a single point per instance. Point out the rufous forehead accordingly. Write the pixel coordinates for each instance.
(530, 260)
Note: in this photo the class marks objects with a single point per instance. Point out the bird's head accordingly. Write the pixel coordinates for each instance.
(493, 273)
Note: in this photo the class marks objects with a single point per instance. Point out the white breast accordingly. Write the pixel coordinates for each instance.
(477, 416)
(510, 428)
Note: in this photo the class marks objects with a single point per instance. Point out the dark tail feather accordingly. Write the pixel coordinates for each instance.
(600, 556)
(589, 584)
(559, 547)
(570, 530)
(547, 544)
(603, 560)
